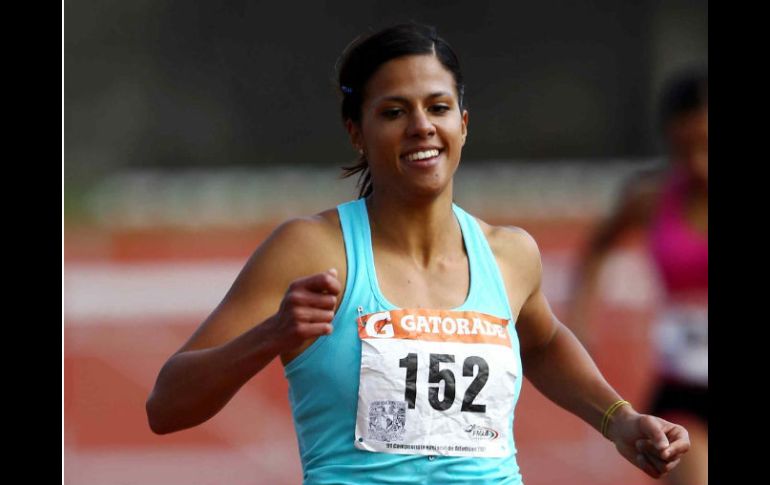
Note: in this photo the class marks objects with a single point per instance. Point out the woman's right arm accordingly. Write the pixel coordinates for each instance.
(272, 308)
(632, 212)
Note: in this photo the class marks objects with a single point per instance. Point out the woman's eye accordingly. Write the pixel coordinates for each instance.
(391, 113)
(440, 108)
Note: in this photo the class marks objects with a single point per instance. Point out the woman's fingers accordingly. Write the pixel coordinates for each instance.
(325, 282)
(654, 458)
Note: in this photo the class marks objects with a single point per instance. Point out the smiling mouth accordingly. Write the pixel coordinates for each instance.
(422, 155)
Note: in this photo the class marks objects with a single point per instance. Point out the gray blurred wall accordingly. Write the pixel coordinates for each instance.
(168, 83)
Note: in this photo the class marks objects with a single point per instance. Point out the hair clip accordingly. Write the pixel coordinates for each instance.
(347, 90)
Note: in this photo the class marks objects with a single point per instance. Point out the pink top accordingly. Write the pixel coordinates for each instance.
(679, 250)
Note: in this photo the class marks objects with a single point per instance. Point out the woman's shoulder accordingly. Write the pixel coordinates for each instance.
(315, 228)
(644, 186)
(639, 196)
(310, 244)
(511, 244)
(518, 258)
(506, 235)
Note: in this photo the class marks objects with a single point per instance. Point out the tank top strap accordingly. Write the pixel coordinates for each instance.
(488, 287)
(354, 223)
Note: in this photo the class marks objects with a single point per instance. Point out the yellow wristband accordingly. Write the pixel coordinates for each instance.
(608, 414)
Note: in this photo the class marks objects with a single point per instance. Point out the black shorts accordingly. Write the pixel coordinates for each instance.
(674, 397)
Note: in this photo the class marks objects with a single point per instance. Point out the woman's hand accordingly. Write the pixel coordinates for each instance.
(306, 310)
(652, 444)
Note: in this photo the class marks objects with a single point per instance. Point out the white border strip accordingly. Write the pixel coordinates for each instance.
(135, 294)
(93, 292)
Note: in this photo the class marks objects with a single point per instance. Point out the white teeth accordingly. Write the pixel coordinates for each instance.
(421, 155)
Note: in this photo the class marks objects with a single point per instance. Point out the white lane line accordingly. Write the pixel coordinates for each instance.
(121, 291)
(111, 293)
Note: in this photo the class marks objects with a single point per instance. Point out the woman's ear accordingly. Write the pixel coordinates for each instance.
(354, 132)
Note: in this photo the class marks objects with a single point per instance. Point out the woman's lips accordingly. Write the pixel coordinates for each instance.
(432, 158)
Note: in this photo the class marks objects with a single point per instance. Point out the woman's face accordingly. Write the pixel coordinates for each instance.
(688, 137)
(412, 130)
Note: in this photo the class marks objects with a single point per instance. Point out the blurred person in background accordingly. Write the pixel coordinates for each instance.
(405, 359)
(671, 207)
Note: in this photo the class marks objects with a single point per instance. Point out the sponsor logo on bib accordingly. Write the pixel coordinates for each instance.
(378, 325)
(481, 433)
(435, 325)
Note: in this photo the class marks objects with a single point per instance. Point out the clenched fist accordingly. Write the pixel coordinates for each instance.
(307, 309)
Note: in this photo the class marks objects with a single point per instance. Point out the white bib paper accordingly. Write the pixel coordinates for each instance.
(682, 341)
(435, 382)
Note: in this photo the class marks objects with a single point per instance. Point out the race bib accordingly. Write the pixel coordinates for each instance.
(681, 336)
(435, 382)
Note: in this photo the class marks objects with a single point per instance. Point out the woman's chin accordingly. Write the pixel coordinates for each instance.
(430, 187)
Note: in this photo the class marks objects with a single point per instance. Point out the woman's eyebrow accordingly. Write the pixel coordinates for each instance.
(402, 99)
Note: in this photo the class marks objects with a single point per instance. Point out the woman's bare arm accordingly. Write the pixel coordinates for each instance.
(559, 367)
(284, 296)
(632, 212)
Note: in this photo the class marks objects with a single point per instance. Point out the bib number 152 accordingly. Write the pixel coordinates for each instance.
(436, 375)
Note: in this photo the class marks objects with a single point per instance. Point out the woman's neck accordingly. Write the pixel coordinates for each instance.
(421, 229)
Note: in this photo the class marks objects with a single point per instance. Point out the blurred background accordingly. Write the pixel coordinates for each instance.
(191, 129)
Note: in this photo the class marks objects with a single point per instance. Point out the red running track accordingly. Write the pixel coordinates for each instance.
(111, 360)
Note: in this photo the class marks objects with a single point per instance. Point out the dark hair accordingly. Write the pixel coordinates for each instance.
(684, 93)
(365, 55)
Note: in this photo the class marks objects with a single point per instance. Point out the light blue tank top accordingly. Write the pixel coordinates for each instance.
(323, 380)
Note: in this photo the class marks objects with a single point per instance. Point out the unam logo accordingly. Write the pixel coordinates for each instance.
(477, 432)
(378, 325)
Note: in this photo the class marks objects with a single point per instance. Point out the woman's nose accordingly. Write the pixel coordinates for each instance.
(420, 125)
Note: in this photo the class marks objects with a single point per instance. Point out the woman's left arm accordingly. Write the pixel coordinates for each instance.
(559, 366)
